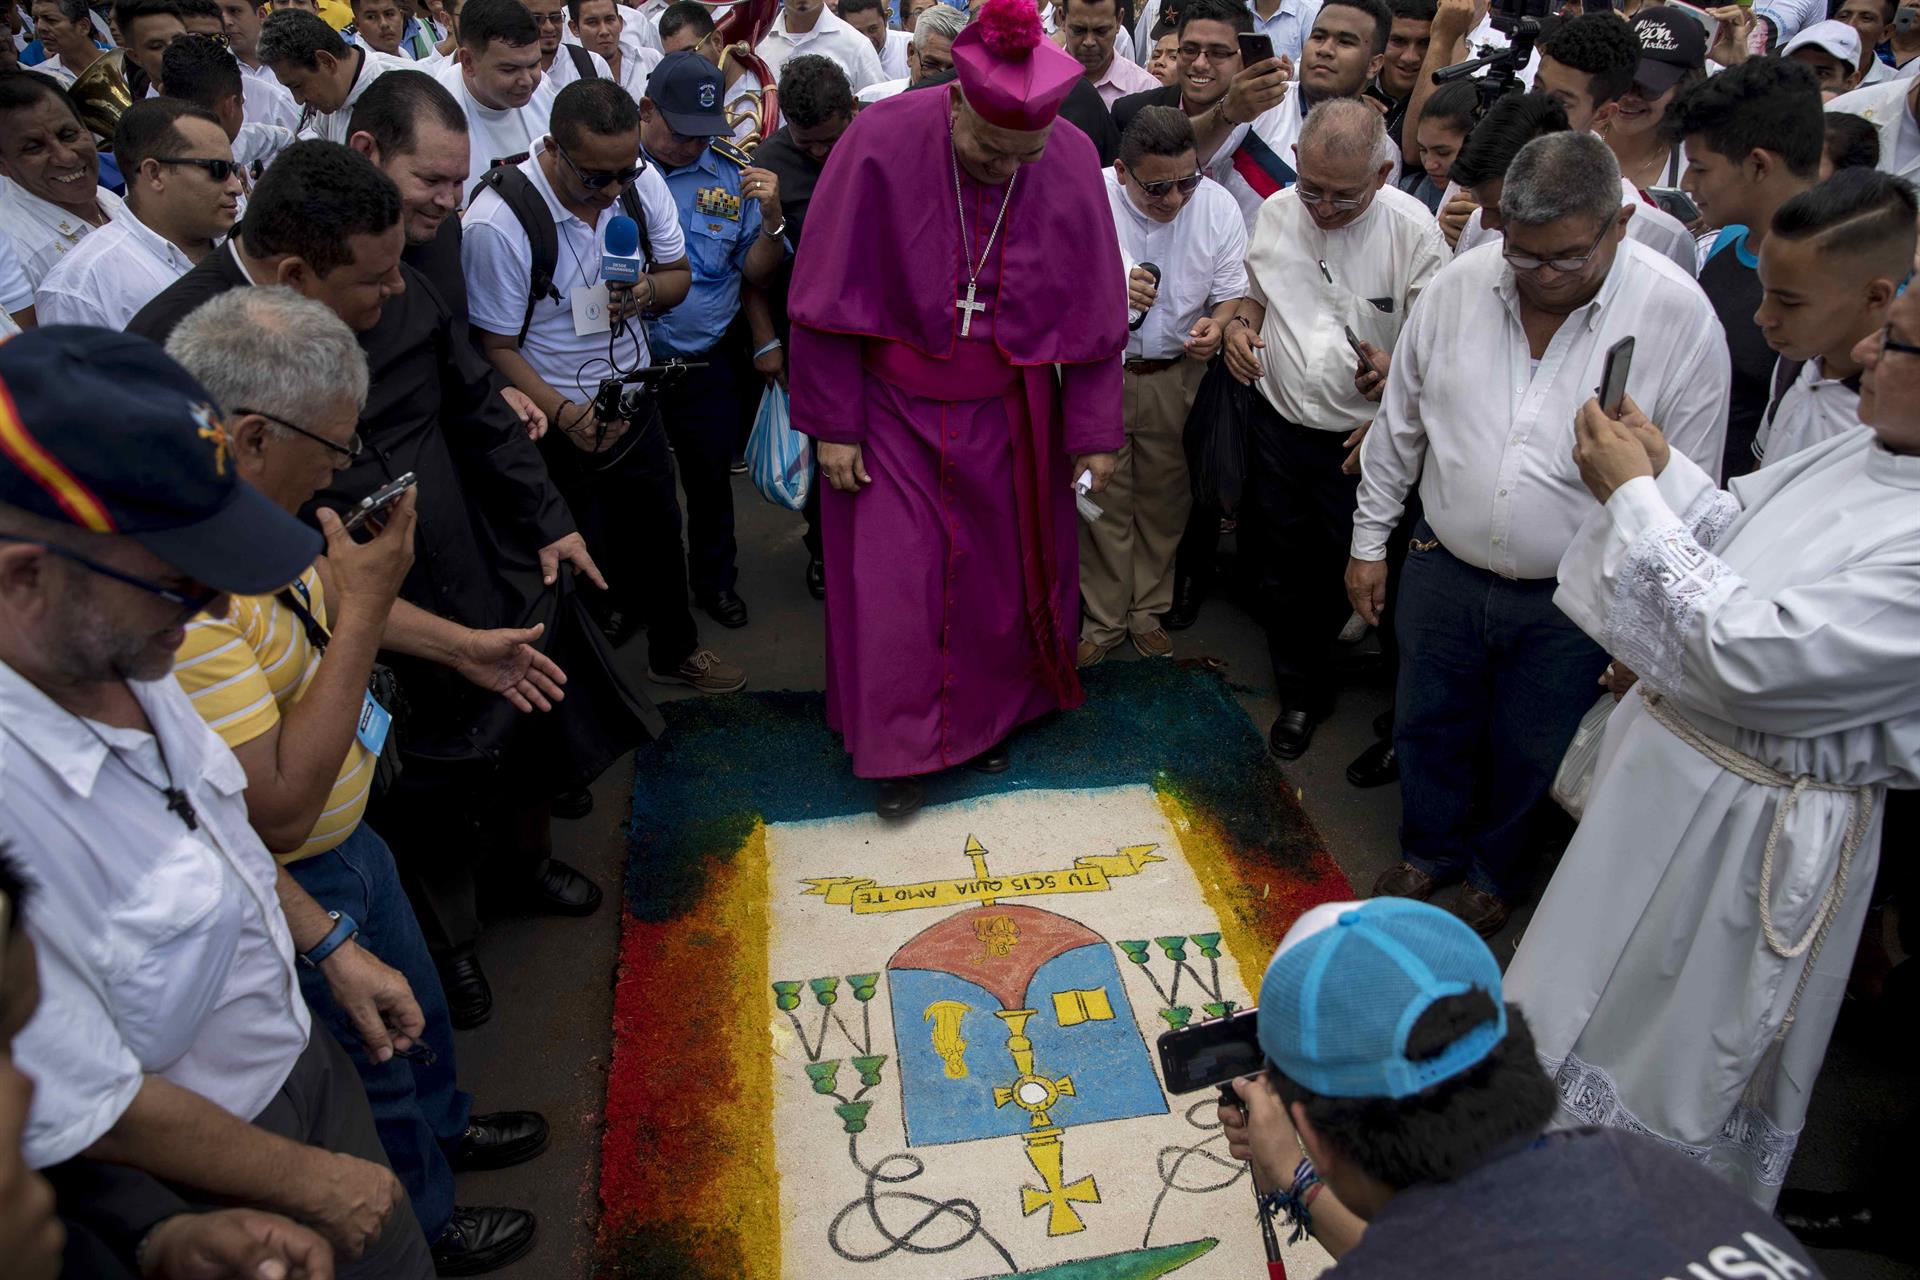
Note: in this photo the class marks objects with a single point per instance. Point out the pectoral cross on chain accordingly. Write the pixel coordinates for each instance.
(968, 308)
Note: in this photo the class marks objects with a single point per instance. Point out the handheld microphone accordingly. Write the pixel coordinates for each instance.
(1137, 318)
(620, 251)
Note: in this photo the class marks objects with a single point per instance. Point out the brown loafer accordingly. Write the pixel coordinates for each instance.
(1485, 914)
(1405, 881)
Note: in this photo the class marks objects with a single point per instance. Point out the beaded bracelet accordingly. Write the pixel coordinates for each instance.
(1293, 1202)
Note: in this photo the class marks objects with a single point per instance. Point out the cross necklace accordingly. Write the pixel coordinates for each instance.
(968, 306)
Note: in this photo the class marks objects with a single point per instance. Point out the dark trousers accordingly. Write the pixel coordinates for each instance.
(1296, 525)
(702, 413)
(623, 500)
(454, 829)
(418, 1108)
(1493, 682)
(811, 537)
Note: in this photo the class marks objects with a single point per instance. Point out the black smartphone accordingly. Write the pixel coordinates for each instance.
(1254, 48)
(1905, 19)
(377, 502)
(1613, 377)
(1676, 202)
(1359, 349)
(1205, 1055)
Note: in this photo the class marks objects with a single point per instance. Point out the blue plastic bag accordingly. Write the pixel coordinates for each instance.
(779, 458)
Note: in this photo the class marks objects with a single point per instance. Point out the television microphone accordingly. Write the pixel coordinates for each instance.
(1137, 318)
(620, 251)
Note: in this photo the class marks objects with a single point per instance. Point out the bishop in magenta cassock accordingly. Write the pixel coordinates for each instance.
(959, 316)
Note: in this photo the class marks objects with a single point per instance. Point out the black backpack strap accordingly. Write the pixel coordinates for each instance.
(1785, 373)
(582, 62)
(630, 205)
(531, 212)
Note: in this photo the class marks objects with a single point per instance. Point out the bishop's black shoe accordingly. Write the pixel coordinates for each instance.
(1291, 735)
(1376, 766)
(498, 1140)
(469, 995)
(898, 797)
(562, 891)
(995, 759)
(482, 1239)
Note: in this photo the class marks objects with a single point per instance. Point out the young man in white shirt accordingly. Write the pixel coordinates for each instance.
(1090, 31)
(613, 470)
(1341, 252)
(601, 28)
(1831, 268)
(929, 51)
(324, 73)
(1893, 108)
(146, 28)
(1507, 342)
(1167, 214)
(173, 1037)
(208, 75)
(560, 63)
(241, 20)
(183, 189)
(494, 73)
(378, 26)
(52, 196)
(869, 18)
(808, 26)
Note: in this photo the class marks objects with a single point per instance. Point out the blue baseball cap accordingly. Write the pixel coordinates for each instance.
(1348, 983)
(105, 432)
(687, 90)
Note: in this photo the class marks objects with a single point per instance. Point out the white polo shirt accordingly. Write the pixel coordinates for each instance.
(42, 232)
(557, 77)
(331, 126)
(1814, 409)
(1201, 255)
(830, 37)
(496, 257)
(109, 276)
(493, 133)
(893, 58)
(163, 951)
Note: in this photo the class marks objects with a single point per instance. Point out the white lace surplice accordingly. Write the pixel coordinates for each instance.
(1781, 618)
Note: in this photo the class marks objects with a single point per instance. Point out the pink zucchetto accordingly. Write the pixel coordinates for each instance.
(1009, 72)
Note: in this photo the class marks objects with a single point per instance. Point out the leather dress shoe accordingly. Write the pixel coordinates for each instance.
(1376, 766)
(1834, 1220)
(1404, 881)
(817, 578)
(469, 996)
(1485, 914)
(898, 797)
(995, 759)
(726, 608)
(1291, 735)
(562, 891)
(482, 1239)
(1187, 598)
(577, 803)
(499, 1139)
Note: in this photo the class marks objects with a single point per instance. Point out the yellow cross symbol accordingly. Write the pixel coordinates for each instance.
(1043, 1151)
(210, 430)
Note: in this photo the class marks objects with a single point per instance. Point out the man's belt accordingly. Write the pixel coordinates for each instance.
(1152, 366)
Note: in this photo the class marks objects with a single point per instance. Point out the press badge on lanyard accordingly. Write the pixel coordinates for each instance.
(375, 720)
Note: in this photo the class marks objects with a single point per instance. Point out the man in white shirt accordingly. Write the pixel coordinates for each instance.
(1508, 341)
(16, 295)
(560, 63)
(1340, 253)
(183, 189)
(1892, 107)
(869, 18)
(52, 195)
(687, 25)
(601, 28)
(325, 74)
(208, 76)
(65, 27)
(1831, 268)
(494, 73)
(241, 20)
(808, 26)
(1089, 31)
(146, 28)
(1872, 20)
(378, 26)
(929, 51)
(173, 1037)
(1169, 215)
(1285, 22)
(558, 349)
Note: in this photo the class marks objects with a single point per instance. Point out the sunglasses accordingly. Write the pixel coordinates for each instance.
(600, 179)
(1524, 262)
(1158, 190)
(350, 450)
(218, 170)
(194, 601)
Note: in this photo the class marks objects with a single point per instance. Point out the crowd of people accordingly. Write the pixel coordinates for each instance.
(356, 359)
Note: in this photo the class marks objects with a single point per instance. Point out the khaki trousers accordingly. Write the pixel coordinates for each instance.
(1126, 556)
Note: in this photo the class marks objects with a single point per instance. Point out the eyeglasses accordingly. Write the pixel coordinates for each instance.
(549, 19)
(218, 170)
(194, 602)
(599, 179)
(1524, 262)
(1308, 195)
(350, 450)
(1214, 52)
(1888, 343)
(1158, 190)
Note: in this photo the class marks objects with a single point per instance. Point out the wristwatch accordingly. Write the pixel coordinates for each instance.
(345, 928)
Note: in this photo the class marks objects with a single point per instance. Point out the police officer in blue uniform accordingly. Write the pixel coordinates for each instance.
(730, 213)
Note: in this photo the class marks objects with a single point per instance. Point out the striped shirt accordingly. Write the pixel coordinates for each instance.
(245, 670)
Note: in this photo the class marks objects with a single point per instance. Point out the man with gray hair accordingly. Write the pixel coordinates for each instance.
(1510, 340)
(929, 54)
(1362, 251)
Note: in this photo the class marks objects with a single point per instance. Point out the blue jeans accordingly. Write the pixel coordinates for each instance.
(1493, 682)
(417, 1109)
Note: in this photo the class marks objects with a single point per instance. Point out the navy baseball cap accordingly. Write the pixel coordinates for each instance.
(1672, 43)
(1349, 981)
(687, 88)
(105, 432)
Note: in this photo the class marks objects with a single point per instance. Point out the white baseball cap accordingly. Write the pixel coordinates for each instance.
(1836, 37)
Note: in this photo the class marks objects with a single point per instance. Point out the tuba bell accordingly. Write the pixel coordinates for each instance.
(102, 95)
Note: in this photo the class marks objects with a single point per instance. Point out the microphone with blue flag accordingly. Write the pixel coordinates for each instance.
(620, 251)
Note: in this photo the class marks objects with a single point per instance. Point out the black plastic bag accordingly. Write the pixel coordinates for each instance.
(1216, 440)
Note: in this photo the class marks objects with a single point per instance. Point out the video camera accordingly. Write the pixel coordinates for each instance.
(621, 397)
(1519, 21)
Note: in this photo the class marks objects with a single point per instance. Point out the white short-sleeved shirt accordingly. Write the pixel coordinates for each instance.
(1651, 225)
(16, 292)
(636, 64)
(53, 68)
(1315, 284)
(830, 37)
(331, 126)
(1202, 259)
(42, 232)
(881, 92)
(493, 133)
(267, 102)
(163, 951)
(497, 259)
(893, 58)
(557, 77)
(110, 275)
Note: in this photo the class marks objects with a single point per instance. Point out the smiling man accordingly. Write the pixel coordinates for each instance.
(492, 77)
(183, 188)
(1407, 44)
(52, 198)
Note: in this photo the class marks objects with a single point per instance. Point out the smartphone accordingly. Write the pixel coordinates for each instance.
(1905, 19)
(377, 502)
(1706, 20)
(1204, 1055)
(1613, 377)
(1359, 348)
(1254, 48)
(1676, 202)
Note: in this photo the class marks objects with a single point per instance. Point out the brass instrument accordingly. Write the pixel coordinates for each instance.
(751, 106)
(102, 95)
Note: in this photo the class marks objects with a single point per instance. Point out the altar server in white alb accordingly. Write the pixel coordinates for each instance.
(1685, 968)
